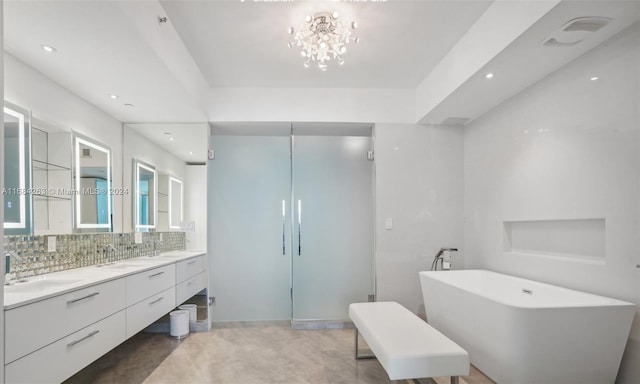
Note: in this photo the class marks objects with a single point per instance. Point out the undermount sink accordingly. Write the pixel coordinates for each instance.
(120, 266)
(169, 256)
(37, 285)
(177, 254)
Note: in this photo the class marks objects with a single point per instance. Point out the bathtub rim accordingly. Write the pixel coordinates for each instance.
(603, 301)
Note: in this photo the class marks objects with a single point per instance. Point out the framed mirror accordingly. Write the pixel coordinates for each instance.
(145, 196)
(17, 194)
(92, 182)
(175, 203)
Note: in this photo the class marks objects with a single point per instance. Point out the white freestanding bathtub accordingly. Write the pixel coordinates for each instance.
(519, 331)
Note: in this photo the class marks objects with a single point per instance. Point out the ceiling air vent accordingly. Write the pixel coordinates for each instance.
(575, 30)
(586, 24)
(86, 152)
(455, 121)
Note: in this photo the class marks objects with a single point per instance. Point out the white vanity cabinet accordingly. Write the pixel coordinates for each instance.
(38, 324)
(148, 283)
(51, 337)
(190, 277)
(150, 295)
(189, 268)
(60, 360)
(190, 287)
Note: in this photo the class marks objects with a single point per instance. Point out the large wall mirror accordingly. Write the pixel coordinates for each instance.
(175, 203)
(17, 171)
(145, 196)
(92, 173)
(172, 150)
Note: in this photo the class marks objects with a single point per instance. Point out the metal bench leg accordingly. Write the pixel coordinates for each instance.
(360, 357)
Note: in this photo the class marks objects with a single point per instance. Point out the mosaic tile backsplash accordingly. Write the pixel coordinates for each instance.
(29, 256)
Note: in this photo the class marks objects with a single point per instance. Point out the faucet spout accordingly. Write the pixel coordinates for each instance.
(107, 248)
(439, 257)
(8, 255)
(110, 247)
(156, 242)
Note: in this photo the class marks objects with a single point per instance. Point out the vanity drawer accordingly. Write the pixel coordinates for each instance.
(190, 267)
(38, 324)
(60, 360)
(148, 283)
(140, 315)
(190, 287)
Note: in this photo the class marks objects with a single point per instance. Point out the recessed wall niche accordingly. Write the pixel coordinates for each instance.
(576, 238)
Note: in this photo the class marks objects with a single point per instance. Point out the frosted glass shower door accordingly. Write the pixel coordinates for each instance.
(249, 194)
(332, 226)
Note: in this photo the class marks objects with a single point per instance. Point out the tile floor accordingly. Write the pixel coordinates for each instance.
(242, 354)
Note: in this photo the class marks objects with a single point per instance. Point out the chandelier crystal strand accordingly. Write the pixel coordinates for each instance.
(323, 38)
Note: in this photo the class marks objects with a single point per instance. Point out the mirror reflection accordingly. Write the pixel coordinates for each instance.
(17, 181)
(93, 184)
(175, 203)
(145, 196)
(51, 175)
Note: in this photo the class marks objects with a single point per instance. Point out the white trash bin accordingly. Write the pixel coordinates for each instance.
(179, 323)
(193, 315)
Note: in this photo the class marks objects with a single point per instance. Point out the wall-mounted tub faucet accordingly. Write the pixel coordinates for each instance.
(440, 257)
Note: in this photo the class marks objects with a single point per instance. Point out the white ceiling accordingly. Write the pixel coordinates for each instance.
(99, 52)
(526, 60)
(189, 140)
(168, 70)
(244, 44)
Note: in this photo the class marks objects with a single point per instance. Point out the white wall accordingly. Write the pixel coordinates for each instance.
(419, 184)
(51, 103)
(140, 148)
(195, 202)
(312, 104)
(565, 148)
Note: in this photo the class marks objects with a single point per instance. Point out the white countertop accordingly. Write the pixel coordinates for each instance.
(58, 283)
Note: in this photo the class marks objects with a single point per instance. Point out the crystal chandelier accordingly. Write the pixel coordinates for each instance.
(323, 38)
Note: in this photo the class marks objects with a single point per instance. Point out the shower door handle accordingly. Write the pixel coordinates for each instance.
(284, 249)
(299, 227)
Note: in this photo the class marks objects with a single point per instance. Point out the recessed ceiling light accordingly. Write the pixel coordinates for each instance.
(594, 78)
(48, 48)
(112, 96)
(489, 75)
(191, 152)
(171, 139)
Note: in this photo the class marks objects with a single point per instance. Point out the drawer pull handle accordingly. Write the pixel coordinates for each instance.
(156, 300)
(93, 333)
(82, 298)
(192, 262)
(156, 274)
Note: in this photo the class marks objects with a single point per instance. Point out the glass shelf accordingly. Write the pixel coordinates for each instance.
(51, 197)
(39, 165)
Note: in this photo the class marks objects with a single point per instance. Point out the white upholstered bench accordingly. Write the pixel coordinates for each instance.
(406, 346)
